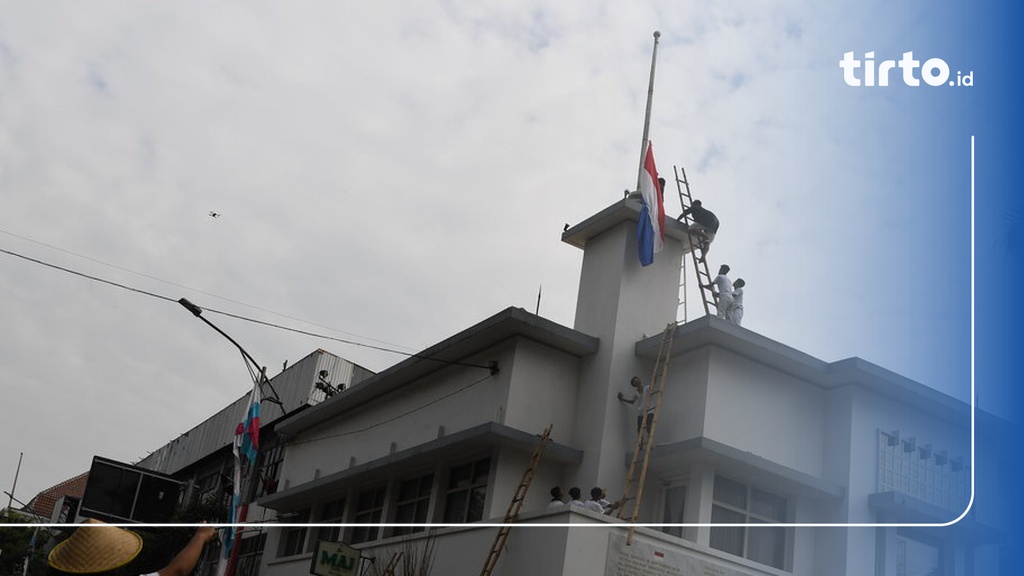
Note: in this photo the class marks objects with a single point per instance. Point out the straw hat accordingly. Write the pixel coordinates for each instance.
(95, 547)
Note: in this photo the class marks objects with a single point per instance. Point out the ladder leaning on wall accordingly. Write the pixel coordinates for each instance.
(645, 435)
(708, 296)
(516, 504)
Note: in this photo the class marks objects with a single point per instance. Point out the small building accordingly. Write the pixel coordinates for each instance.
(59, 503)
(757, 446)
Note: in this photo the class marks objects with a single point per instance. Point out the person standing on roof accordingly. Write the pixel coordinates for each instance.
(556, 497)
(736, 312)
(574, 497)
(704, 227)
(596, 502)
(723, 285)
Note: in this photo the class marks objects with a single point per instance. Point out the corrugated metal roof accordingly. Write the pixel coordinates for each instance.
(296, 388)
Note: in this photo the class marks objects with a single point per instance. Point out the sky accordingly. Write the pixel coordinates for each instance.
(390, 173)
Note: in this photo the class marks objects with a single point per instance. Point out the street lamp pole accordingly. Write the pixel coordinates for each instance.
(243, 509)
(198, 313)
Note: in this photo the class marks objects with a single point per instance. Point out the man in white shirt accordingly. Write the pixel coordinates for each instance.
(595, 502)
(556, 498)
(640, 394)
(736, 312)
(574, 497)
(724, 288)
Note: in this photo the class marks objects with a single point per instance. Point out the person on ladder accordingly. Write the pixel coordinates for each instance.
(704, 227)
(640, 394)
(724, 287)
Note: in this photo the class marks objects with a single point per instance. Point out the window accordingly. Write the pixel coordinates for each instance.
(466, 492)
(293, 539)
(675, 499)
(206, 485)
(905, 551)
(332, 512)
(909, 467)
(738, 503)
(369, 510)
(412, 503)
(269, 471)
(916, 556)
(250, 555)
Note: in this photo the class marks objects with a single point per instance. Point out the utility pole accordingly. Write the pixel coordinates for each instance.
(17, 472)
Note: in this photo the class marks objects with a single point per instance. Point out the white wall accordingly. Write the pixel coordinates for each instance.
(620, 302)
(542, 390)
(757, 409)
(455, 397)
(568, 543)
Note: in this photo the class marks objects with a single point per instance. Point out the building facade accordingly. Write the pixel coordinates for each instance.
(762, 457)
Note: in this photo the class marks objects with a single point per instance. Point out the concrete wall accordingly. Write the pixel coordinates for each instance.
(536, 387)
(684, 407)
(455, 398)
(755, 408)
(620, 302)
(542, 390)
(561, 543)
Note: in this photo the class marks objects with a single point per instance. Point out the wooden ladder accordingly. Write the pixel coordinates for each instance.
(517, 503)
(389, 570)
(645, 436)
(708, 296)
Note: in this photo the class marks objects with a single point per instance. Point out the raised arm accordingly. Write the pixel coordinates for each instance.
(184, 562)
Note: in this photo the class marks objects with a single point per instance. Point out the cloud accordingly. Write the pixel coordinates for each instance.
(397, 171)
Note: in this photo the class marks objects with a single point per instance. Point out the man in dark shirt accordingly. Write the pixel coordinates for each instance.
(704, 227)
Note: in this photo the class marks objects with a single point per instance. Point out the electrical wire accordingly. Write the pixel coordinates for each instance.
(239, 316)
(189, 288)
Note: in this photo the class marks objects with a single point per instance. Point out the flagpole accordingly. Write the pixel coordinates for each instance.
(647, 113)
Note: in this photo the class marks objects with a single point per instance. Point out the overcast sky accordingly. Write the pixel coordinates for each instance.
(394, 172)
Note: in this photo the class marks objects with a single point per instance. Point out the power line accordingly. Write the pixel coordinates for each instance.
(492, 367)
(189, 288)
(88, 276)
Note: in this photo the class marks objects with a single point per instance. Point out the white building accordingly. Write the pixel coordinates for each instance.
(750, 432)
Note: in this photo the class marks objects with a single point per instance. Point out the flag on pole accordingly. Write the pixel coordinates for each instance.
(246, 444)
(247, 435)
(650, 230)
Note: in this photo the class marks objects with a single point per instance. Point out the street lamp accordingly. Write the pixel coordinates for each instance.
(198, 313)
(259, 381)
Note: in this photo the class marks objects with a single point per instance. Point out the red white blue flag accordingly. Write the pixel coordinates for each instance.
(246, 444)
(247, 435)
(650, 230)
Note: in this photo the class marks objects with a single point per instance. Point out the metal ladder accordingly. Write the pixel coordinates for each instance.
(645, 436)
(516, 504)
(708, 296)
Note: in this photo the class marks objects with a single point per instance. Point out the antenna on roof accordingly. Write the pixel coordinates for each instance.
(539, 290)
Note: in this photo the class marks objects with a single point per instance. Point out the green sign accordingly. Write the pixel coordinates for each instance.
(334, 559)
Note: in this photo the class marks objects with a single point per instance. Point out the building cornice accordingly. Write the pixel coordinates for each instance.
(509, 323)
(712, 331)
(483, 437)
(625, 210)
(726, 457)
